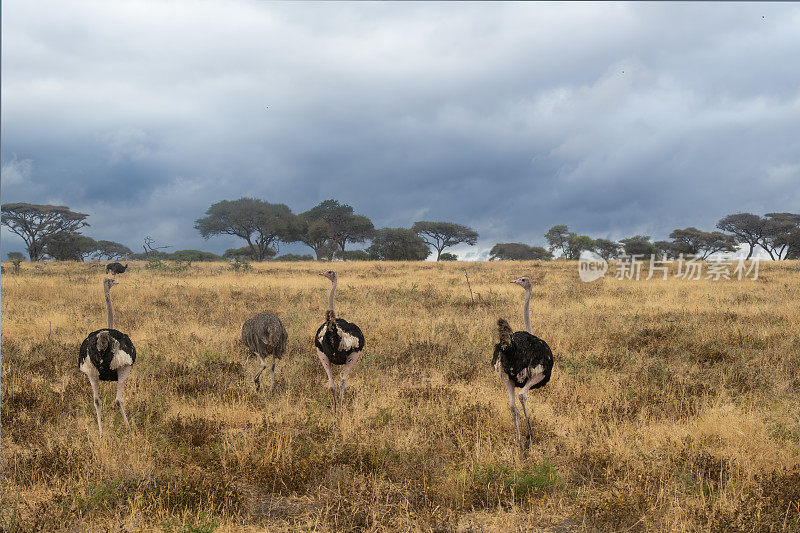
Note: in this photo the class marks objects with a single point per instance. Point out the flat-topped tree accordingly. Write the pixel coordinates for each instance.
(747, 228)
(398, 244)
(779, 232)
(702, 243)
(111, 250)
(517, 251)
(261, 224)
(443, 235)
(66, 246)
(35, 223)
(606, 248)
(327, 228)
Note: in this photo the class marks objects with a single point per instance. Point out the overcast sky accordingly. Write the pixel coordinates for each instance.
(616, 119)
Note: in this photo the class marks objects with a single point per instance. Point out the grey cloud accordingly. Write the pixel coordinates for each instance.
(613, 118)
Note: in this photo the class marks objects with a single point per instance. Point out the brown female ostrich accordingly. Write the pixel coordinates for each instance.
(107, 355)
(265, 335)
(338, 342)
(521, 360)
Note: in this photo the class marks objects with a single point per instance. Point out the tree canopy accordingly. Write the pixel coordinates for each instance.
(329, 226)
(111, 250)
(69, 246)
(639, 245)
(558, 238)
(779, 232)
(398, 244)
(701, 243)
(747, 228)
(443, 235)
(607, 249)
(35, 223)
(261, 224)
(517, 251)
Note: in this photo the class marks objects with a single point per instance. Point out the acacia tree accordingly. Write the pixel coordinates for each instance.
(443, 235)
(111, 250)
(558, 238)
(747, 228)
(67, 246)
(779, 230)
(638, 245)
(517, 251)
(702, 243)
(35, 223)
(576, 244)
(398, 244)
(329, 226)
(261, 224)
(607, 249)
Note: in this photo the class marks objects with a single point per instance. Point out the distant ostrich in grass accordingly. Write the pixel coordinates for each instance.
(117, 268)
(338, 342)
(265, 335)
(521, 360)
(107, 355)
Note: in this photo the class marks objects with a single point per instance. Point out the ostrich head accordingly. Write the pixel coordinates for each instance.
(108, 283)
(524, 282)
(330, 274)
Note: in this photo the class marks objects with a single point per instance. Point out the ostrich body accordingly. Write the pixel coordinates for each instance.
(107, 355)
(116, 268)
(265, 335)
(338, 342)
(523, 361)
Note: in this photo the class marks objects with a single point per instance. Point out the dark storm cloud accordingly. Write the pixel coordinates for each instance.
(613, 118)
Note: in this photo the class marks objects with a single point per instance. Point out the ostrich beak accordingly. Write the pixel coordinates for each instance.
(517, 281)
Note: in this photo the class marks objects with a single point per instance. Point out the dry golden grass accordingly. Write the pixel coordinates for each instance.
(674, 405)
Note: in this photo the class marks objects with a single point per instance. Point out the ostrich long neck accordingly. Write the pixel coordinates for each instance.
(525, 312)
(109, 309)
(330, 297)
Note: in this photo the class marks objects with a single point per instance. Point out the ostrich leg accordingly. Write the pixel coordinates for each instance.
(513, 406)
(523, 396)
(272, 375)
(122, 375)
(326, 364)
(96, 392)
(257, 379)
(352, 359)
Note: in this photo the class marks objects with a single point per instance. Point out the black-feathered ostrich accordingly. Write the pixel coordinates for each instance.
(521, 360)
(338, 342)
(117, 268)
(107, 355)
(265, 335)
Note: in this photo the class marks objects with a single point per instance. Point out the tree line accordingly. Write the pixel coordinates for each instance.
(329, 227)
(776, 233)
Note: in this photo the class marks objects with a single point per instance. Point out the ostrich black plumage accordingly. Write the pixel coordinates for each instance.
(107, 355)
(521, 360)
(116, 268)
(338, 342)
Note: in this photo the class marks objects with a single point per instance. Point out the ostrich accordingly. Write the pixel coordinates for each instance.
(117, 268)
(264, 334)
(107, 355)
(338, 342)
(521, 360)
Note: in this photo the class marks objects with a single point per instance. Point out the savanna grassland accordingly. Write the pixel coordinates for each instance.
(674, 405)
